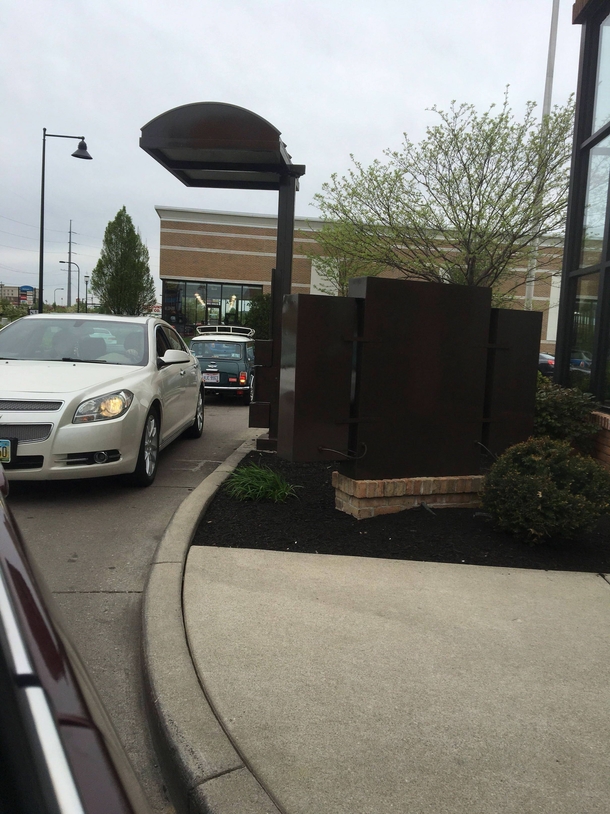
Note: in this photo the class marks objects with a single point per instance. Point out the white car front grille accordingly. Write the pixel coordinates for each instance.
(26, 432)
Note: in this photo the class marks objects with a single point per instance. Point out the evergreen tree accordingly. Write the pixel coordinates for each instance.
(121, 279)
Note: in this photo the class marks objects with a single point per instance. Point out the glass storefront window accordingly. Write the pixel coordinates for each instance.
(231, 304)
(601, 110)
(595, 204)
(213, 302)
(583, 331)
(195, 307)
(187, 305)
(173, 302)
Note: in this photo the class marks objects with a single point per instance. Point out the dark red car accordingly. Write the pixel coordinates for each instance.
(58, 750)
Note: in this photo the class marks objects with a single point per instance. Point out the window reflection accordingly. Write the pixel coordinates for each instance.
(583, 330)
(595, 204)
(173, 300)
(188, 304)
(601, 110)
(231, 304)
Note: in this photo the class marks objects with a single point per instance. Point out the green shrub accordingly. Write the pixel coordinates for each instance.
(541, 489)
(253, 482)
(564, 414)
(259, 316)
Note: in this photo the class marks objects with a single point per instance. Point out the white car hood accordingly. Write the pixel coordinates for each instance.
(58, 377)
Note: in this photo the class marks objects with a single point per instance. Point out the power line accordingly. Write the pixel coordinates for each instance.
(29, 225)
(18, 248)
(59, 231)
(15, 271)
(25, 237)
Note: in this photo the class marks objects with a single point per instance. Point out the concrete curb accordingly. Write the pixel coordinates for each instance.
(203, 771)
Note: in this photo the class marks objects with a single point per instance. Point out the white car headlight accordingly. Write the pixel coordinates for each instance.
(102, 408)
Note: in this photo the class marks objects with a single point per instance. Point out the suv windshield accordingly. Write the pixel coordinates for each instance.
(75, 340)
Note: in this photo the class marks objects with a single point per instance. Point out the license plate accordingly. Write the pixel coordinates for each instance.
(5, 451)
(211, 378)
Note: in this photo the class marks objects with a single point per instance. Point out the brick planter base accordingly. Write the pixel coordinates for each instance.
(368, 498)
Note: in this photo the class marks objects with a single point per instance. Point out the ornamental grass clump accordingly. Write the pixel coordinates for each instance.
(542, 489)
(253, 482)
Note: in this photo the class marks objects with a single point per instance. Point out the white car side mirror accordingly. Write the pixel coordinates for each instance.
(175, 357)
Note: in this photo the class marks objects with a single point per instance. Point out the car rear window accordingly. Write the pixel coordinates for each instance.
(216, 350)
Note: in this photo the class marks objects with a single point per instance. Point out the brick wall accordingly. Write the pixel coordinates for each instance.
(231, 247)
(370, 498)
(206, 245)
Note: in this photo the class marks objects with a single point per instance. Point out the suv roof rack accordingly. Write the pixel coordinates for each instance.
(225, 329)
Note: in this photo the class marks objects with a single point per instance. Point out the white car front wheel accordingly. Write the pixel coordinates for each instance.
(196, 428)
(148, 457)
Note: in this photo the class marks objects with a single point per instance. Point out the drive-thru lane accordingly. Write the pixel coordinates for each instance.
(94, 541)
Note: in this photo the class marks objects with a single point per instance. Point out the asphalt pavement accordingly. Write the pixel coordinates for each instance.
(313, 684)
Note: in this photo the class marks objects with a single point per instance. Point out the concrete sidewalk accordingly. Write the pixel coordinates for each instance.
(341, 685)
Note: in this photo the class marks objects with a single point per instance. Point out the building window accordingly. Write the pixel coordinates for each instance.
(231, 304)
(196, 304)
(601, 109)
(583, 342)
(187, 304)
(595, 204)
(583, 330)
(173, 302)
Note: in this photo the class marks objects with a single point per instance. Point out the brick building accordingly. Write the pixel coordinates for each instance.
(212, 264)
(19, 294)
(207, 258)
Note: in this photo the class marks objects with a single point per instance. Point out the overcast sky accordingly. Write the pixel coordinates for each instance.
(334, 76)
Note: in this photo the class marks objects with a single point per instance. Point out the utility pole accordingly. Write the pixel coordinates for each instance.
(69, 294)
(532, 263)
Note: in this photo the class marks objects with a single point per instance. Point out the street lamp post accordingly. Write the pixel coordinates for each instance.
(54, 300)
(72, 263)
(81, 152)
(86, 279)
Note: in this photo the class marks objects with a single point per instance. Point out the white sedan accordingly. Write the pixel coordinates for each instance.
(85, 395)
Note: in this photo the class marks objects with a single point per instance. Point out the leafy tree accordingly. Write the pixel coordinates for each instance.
(259, 316)
(10, 311)
(467, 205)
(122, 279)
(333, 266)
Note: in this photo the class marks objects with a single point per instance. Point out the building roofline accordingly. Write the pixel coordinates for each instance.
(231, 218)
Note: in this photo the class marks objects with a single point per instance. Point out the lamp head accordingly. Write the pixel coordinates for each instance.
(82, 151)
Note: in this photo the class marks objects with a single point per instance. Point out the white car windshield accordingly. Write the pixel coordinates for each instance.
(75, 340)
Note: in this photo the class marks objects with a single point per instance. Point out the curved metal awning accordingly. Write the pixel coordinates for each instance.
(214, 144)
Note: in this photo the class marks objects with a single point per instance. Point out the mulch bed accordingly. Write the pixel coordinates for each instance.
(311, 524)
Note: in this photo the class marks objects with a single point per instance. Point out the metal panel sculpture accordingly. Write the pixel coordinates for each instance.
(404, 378)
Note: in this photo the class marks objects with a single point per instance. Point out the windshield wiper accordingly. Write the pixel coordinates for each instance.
(92, 361)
